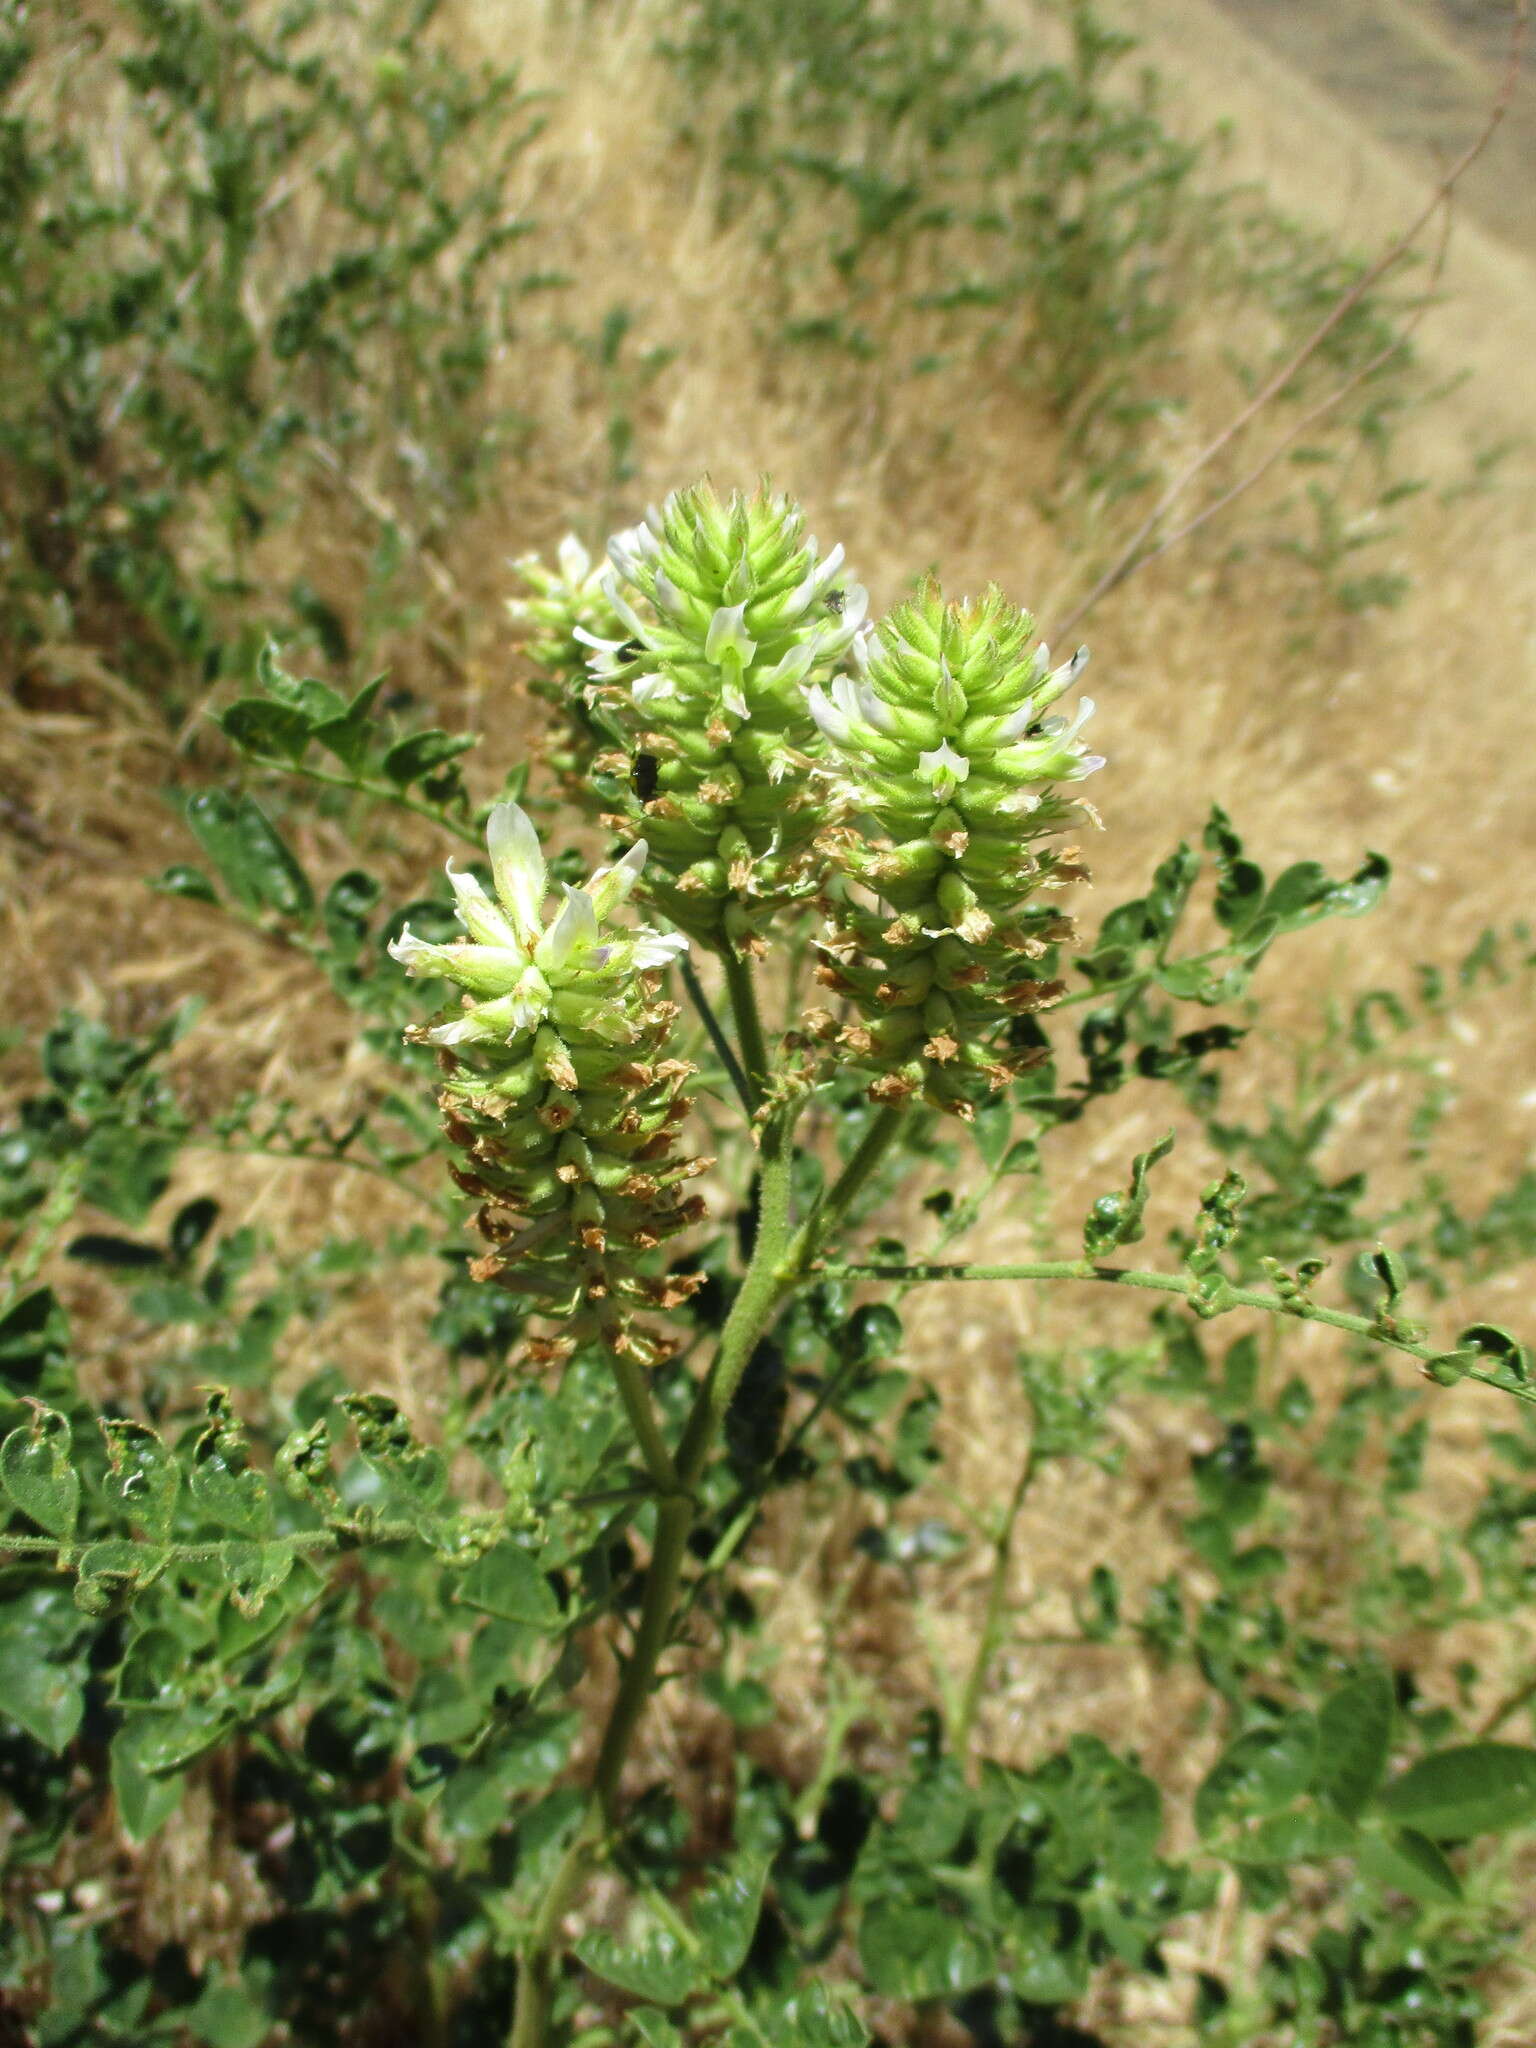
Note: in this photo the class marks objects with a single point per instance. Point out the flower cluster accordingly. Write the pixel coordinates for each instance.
(553, 1084)
(565, 602)
(943, 759)
(727, 613)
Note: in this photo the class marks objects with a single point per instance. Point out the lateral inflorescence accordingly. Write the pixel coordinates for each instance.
(942, 761)
(557, 1090)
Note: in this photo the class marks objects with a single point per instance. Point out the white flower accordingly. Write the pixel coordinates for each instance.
(728, 635)
(669, 598)
(609, 887)
(572, 935)
(795, 666)
(609, 584)
(945, 770)
(575, 562)
(734, 698)
(1054, 753)
(833, 721)
(658, 949)
(516, 969)
(517, 864)
(608, 656)
(482, 969)
(855, 605)
(855, 696)
(1060, 680)
(819, 579)
(628, 551)
(652, 689)
(477, 913)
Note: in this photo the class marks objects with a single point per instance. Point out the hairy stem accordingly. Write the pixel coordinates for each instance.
(1507, 1708)
(991, 1637)
(781, 1256)
(742, 990)
(381, 792)
(629, 1377)
(159, 1556)
(849, 1185)
(44, 1228)
(446, 1209)
(541, 1954)
(1297, 1307)
(724, 1050)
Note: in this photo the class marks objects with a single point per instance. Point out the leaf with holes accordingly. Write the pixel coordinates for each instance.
(36, 1472)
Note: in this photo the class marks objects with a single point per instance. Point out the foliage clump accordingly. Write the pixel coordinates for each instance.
(382, 1625)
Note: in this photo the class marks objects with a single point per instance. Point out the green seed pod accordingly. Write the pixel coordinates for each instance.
(942, 761)
(556, 1087)
(726, 612)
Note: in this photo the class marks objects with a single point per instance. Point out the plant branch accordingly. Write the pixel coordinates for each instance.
(337, 1536)
(444, 1210)
(382, 792)
(1297, 1307)
(641, 1410)
(724, 1050)
(991, 1636)
(1507, 1708)
(780, 1259)
(742, 990)
(37, 1240)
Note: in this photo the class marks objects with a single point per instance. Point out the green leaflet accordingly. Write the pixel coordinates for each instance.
(36, 1471)
(1470, 1789)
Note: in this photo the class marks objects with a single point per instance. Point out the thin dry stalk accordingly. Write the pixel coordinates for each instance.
(1135, 554)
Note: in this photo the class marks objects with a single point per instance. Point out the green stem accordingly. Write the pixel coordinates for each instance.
(1297, 1307)
(1507, 1709)
(51, 1218)
(742, 1512)
(674, 1525)
(780, 1258)
(769, 1280)
(541, 1953)
(742, 990)
(444, 1209)
(996, 1612)
(724, 1050)
(850, 1183)
(640, 1409)
(381, 792)
(159, 1555)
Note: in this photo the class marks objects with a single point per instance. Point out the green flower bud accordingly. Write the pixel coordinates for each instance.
(554, 1088)
(944, 764)
(565, 600)
(726, 611)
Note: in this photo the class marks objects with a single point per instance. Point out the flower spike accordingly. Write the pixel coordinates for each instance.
(945, 768)
(734, 623)
(554, 1088)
